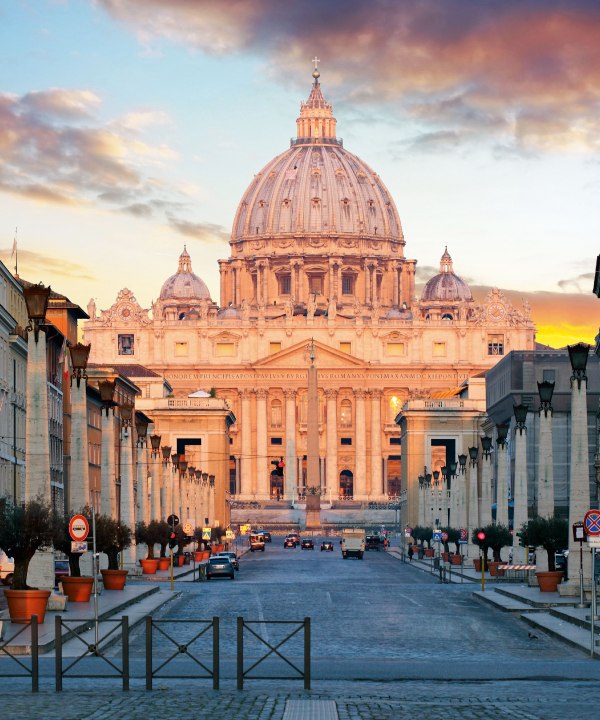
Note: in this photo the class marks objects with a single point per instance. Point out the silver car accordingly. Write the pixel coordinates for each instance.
(219, 566)
(232, 557)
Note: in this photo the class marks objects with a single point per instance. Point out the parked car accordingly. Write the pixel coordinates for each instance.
(307, 544)
(7, 568)
(232, 557)
(219, 566)
(327, 545)
(289, 542)
(61, 570)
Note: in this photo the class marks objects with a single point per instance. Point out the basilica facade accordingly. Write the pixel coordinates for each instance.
(317, 265)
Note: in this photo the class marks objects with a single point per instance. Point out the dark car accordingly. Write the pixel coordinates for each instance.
(372, 542)
(289, 542)
(232, 557)
(61, 570)
(295, 537)
(219, 566)
(327, 545)
(267, 535)
(307, 544)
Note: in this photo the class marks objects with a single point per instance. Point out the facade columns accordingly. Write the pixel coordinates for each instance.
(290, 477)
(79, 481)
(501, 477)
(545, 488)
(127, 510)
(108, 493)
(246, 470)
(485, 508)
(156, 494)
(142, 481)
(520, 492)
(473, 508)
(262, 461)
(37, 439)
(360, 489)
(332, 475)
(376, 469)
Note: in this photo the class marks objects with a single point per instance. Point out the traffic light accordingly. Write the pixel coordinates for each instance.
(522, 538)
(481, 536)
(172, 539)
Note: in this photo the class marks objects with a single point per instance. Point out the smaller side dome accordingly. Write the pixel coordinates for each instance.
(446, 285)
(184, 284)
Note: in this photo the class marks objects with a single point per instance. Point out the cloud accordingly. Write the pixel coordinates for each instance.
(34, 265)
(522, 73)
(207, 232)
(53, 150)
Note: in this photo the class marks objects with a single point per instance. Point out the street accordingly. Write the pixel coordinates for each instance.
(388, 641)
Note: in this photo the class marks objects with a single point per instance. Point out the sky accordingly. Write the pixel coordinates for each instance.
(130, 128)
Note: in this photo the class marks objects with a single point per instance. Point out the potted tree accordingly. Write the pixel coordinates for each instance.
(76, 587)
(25, 529)
(497, 537)
(148, 535)
(112, 538)
(483, 545)
(418, 537)
(164, 562)
(553, 535)
(427, 536)
(453, 537)
(203, 553)
(216, 535)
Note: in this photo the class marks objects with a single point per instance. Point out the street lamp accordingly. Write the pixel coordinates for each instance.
(486, 444)
(462, 461)
(520, 495)
(141, 430)
(520, 412)
(79, 360)
(473, 455)
(36, 300)
(545, 391)
(578, 355)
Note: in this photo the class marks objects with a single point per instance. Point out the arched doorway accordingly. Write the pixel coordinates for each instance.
(346, 484)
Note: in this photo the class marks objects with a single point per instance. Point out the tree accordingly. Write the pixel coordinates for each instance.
(453, 537)
(427, 535)
(149, 534)
(497, 537)
(550, 533)
(482, 544)
(112, 538)
(25, 529)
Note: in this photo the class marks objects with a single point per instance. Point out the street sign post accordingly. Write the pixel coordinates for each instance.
(79, 528)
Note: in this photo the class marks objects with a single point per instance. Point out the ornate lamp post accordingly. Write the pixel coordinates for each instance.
(211, 504)
(155, 489)
(37, 440)
(175, 496)
(79, 480)
(422, 501)
(485, 509)
(473, 504)
(205, 493)
(458, 491)
(579, 480)
(519, 495)
(166, 494)
(502, 474)
(126, 501)
(545, 489)
(141, 427)
(108, 490)
(183, 464)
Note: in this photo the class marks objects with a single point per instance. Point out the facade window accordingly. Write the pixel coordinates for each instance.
(276, 414)
(395, 441)
(276, 441)
(274, 347)
(495, 344)
(439, 349)
(181, 349)
(345, 441)
(225, 349)
(315, 284)
(395, 349)
(347, 284)
(285, 284)
(346, 347)
(447, 316)
(346, 414)
(125, 343)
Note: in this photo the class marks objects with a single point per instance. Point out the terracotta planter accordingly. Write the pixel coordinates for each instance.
(198, 555)
(205, 554)
(114, 579)
(179, 560)
(549, 580)
(218, 549)
(164, 563)
(149, 566)
(491, 566)
(22, 604)
(456, 560)
(446, 557)
(477, 564)
(78, 589)
(429, 552)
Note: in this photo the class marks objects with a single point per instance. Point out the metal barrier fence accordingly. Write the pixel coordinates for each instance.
(28, 671)
(301, 674)
(182, 649)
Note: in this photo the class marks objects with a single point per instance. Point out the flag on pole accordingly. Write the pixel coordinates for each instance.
(14, 249)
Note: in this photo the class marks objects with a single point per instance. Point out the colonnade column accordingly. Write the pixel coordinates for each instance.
(473, 507)
(127, 510)
(108, 493)
(165, 488)
(246, 460)
(332, 477)
(520, 484)
(262, 464)
(79, 481)
(361, 447)
(501, 475)
(485, 508)
(376, 470)
(290, 444)
(142, 480)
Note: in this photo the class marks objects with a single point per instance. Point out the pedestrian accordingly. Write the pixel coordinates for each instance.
(411, 552)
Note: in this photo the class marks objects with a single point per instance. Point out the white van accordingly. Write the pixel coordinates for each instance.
(257, 542)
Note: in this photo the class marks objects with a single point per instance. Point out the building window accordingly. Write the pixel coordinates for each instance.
(346, 414)
(347, 284)
(315, 284)
(439, 349)
(125, 344)
(346, 347)
(285, 284)
(345, 441)
(495, 344)
(181, 349)
(447, 316)
(225, 349)
(276, 441)
(276, 414)
(274, 347)
(395, 349)
(395, 441)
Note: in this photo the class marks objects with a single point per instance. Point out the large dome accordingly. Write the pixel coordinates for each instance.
(446, 286)
(184, 284)
(317, 188)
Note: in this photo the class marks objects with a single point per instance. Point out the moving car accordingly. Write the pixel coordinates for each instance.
(257, 542)
(307, 544)
(219, 566)
(295, 537)
(373, 542)
(327, 545)
(267, 535)
(289, 542)
(232, 557)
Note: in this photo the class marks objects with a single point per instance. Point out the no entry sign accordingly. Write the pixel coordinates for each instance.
(79, 528)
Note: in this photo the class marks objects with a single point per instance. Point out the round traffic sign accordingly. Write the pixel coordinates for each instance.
(444, 536)
(173, 520)
(188, 528)
(79, 528)
(591, 522)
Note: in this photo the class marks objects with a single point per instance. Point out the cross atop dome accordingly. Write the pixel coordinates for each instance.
(316, 123)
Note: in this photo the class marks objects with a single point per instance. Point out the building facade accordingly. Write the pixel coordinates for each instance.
(316, 255)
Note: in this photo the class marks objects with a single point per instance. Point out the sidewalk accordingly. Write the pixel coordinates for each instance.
(545, 612)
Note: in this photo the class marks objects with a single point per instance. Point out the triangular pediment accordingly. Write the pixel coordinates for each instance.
(298, 356)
